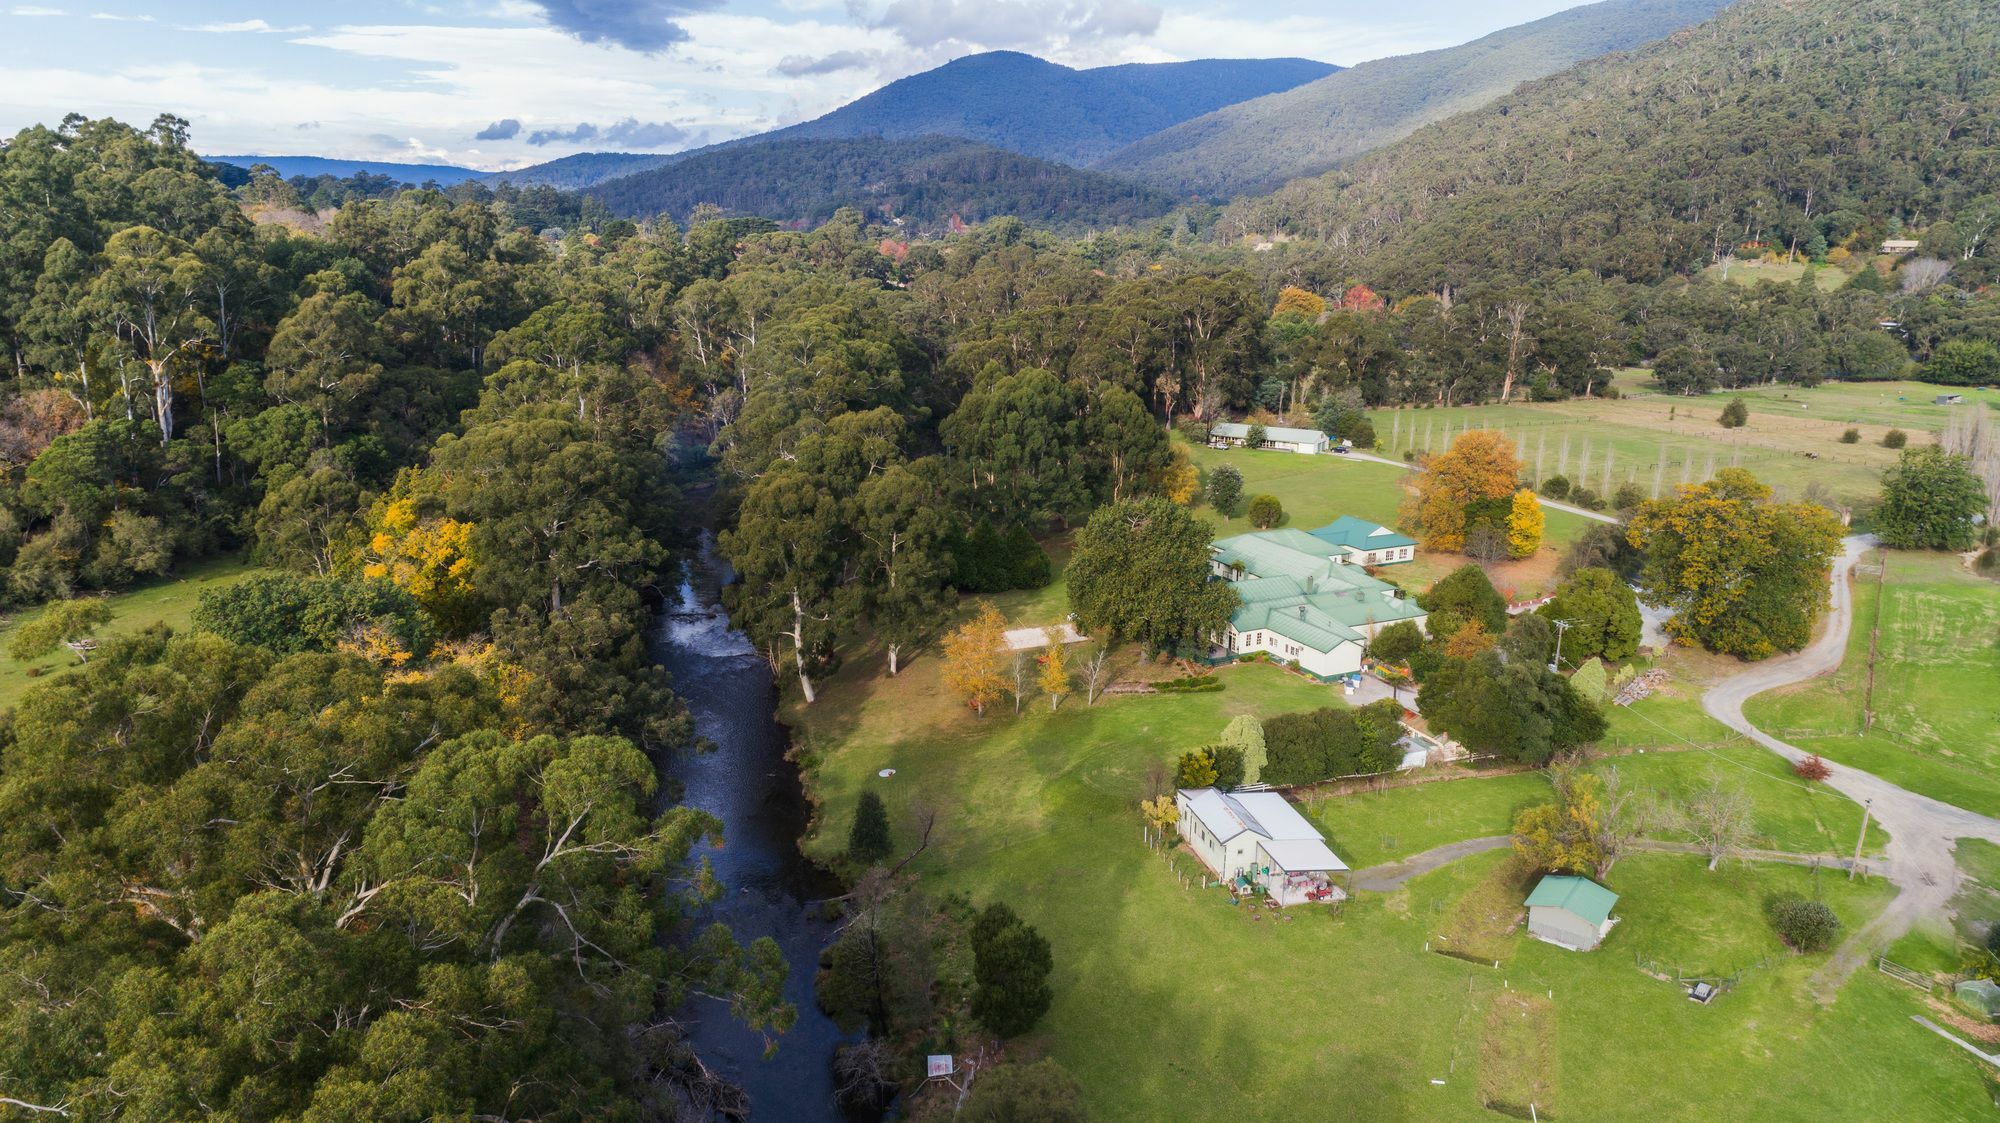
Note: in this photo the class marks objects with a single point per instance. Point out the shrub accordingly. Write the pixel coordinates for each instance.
(1014, 1093)
(1266, 512)
(1256, 436)
(1587, 499)
(1196, 432)
(1011, 964)
(1627, 497)
(1396, 643)
(988, 561)
(1556, 487)
(1228, 765)
(1805, 926)
(868, 841)
(1812, 769)
(1192, 684)
(1895, 438)
(1736, 414)
(1851, 437)
(1225, 487)
(290, 614)
(1196, 770)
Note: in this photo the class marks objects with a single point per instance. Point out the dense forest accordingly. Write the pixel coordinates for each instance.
(1792, 124)
(382, 836)
(1256, 146)
(926, 180)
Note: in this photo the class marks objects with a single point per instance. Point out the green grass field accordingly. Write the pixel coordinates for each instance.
(1172, 1003)
(1935, 698)
(1370, 828)
(1749, 273)
(1647, 436)
(169, 601)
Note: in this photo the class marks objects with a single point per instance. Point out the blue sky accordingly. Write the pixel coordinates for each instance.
(504, 83)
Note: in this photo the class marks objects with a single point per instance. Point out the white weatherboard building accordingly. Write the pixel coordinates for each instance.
(1259, 838)
(1306, 599)
(1308, 441)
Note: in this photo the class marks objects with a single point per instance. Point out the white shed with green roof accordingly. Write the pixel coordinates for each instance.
(1570, 912)
(1280, 437)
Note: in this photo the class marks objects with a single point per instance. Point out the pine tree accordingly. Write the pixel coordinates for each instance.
(868, 841)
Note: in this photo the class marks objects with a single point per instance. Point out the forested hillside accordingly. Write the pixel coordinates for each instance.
(1256, 146)
(1786, 123)
(572, 173)
(1039, 108)
(1005, 99)
(925, 180)
(444, 175)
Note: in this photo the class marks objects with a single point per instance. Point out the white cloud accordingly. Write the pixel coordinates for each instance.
(116, 18)
(35, 10)
(247, 26)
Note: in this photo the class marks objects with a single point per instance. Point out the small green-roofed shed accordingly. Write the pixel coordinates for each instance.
(1571, 912)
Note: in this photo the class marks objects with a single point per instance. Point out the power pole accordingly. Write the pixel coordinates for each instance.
(1555, 666)
(1852, 866)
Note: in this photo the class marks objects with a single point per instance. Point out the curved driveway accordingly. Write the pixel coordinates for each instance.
(1918, 859)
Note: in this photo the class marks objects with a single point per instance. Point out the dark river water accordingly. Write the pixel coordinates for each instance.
(768, 886)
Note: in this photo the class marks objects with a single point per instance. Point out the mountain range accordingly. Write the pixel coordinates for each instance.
(444, 175)
(1776, 123)
(1257, 145)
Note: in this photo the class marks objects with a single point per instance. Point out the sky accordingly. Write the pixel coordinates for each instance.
(496, 84)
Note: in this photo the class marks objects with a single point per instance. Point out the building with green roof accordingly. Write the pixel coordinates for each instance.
(1304, 601)
(1570, 912)
(1367, 543)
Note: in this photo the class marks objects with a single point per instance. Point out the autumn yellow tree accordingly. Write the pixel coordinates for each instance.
(1295, 301)
(1055, 671)
(974, 655)
(1471, 639)
(1161, 812)
(1480, 466)
(1179, 481)
(1525, 523)
(428, 557)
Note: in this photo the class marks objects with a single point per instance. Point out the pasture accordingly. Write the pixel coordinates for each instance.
(1172, 1003)
(1657, 441)
(168, 601)
(1933, 696)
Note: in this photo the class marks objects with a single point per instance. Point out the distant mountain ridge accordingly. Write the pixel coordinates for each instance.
(1779, 120)
(1002, 98)
(924, 180)
(1256, 146)
(444, 175)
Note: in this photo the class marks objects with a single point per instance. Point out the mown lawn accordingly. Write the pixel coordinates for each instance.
(1172, 1003)
(1936, 701)
(169, 601)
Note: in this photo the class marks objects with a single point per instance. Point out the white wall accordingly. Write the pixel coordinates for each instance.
(1342, 660)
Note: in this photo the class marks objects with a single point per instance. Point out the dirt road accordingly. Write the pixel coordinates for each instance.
(1919, 856)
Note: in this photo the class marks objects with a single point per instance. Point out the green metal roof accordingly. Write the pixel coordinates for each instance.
(1579, 895)
(1294, 588)
(1360, 534)
(1237, 431)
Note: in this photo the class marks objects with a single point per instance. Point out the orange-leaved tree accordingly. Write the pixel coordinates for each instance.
(973, 658)
(1480, 465)
(1295, 301)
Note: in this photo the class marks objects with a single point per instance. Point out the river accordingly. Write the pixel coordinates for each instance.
(748, 784)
